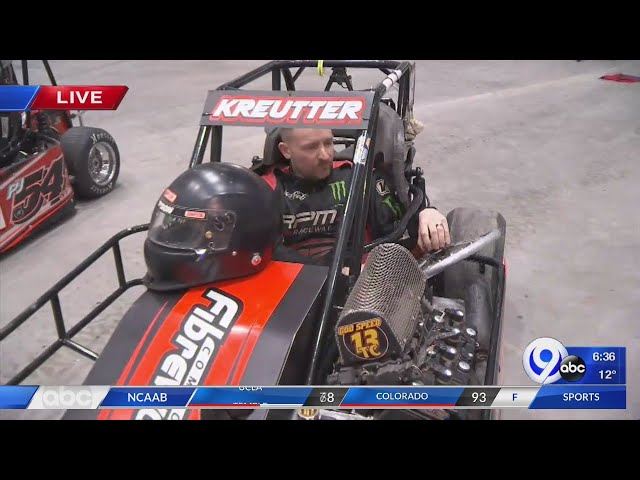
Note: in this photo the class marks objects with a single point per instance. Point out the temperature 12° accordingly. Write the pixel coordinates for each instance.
(607, 374)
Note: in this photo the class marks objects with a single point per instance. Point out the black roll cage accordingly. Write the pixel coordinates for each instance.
(356, 208)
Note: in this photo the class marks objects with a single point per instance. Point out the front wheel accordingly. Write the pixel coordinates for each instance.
(93, 158)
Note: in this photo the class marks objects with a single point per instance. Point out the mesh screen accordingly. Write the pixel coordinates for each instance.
(391, 285)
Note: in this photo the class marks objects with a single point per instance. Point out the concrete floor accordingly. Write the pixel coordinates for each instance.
(547, 143)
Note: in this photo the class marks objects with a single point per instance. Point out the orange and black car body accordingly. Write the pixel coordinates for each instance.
(256, 330)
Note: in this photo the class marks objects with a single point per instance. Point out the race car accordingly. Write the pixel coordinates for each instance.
(47, 163)
(432, 320)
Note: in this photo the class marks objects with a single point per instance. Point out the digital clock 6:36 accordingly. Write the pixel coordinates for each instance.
(604, 356)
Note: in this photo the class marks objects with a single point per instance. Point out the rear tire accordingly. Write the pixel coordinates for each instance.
(93, 158)
(468, 224)
(477, 288)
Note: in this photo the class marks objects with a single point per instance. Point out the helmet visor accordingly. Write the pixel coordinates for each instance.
(186, 228)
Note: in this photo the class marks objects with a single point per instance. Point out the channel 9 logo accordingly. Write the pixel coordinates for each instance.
(546, 360)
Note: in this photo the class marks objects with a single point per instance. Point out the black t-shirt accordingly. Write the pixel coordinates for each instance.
(313, 212)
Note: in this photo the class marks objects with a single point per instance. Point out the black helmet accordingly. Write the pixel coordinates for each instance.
(216, 221)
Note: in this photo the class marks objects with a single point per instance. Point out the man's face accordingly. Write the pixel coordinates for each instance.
(310, 152)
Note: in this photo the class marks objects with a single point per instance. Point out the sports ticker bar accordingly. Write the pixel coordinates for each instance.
(546, 397)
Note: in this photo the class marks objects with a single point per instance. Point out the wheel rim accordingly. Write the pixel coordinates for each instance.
(102, 163)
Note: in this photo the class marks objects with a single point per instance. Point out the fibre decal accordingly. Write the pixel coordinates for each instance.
(198, 341)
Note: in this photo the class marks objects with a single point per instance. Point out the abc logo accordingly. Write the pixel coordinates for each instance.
(67, 397)
(572, 368)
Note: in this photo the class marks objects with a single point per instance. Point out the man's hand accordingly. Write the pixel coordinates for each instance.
(433, 230)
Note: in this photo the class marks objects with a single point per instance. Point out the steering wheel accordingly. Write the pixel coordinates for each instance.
(398, 233)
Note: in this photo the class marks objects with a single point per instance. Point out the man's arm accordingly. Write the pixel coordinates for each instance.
(284, 253)
(433, 230)
(428, 232)
(385, 209)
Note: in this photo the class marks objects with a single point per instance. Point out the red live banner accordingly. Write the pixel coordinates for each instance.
(94, 97)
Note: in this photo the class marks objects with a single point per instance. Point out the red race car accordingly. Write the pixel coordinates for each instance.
(46, 163)
(400, 320)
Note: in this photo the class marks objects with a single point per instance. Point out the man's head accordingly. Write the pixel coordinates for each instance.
(310, 151)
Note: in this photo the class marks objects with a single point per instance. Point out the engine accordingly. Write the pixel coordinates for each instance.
(390, 332)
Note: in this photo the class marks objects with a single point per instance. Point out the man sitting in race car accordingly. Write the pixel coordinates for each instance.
(313, 190)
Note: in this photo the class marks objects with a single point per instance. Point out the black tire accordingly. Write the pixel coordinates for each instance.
(83, 149)
(466, 281)
(467, 224)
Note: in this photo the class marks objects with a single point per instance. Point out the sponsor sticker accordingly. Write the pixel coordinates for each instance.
(202, 333)
(300, 110)
(381, 187)
(365, 339)
(169, 195)
(195, 214)
(338, 190)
